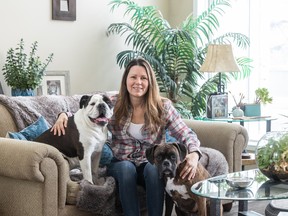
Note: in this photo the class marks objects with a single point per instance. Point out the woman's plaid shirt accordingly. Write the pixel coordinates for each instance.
(126, 147)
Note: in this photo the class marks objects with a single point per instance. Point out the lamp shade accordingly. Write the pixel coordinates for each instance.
(219, 58)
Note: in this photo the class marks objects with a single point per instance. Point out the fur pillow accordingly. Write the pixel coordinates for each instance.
(214, 161)
(97, 199)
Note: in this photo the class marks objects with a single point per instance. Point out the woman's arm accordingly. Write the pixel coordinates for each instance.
(185, 135)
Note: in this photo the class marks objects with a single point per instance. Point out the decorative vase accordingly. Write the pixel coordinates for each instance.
(237, 112)
(272, 155)
(22, 92)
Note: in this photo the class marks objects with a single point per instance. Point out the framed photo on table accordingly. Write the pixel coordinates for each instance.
(217, 106)
(55, 83)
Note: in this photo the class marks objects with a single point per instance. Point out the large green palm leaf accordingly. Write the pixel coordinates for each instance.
(175, 54)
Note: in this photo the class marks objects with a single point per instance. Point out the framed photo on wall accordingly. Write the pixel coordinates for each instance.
(55, 83)
(64, 10)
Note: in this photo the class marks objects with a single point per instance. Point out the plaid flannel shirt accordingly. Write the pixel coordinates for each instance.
(126, 147)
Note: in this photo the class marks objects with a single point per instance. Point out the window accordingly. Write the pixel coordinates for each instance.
(266, 24)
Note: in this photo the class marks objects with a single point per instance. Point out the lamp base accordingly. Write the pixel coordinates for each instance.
(221, 86)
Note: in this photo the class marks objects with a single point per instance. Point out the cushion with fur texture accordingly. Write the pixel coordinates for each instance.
(214, 161)
(98, 199)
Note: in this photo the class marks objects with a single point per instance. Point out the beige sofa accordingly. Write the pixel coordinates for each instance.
(34, 177)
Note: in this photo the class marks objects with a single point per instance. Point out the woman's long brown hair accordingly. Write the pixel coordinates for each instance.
(152, 102)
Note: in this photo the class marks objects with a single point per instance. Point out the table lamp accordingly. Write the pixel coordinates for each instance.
(219, 58)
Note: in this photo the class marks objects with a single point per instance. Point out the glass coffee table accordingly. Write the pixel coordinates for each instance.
(261, 188)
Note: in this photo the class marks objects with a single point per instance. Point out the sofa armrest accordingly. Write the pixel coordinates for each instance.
(230, 139)
(31, 163)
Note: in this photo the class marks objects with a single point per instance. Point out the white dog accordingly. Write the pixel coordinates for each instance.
(85, 134)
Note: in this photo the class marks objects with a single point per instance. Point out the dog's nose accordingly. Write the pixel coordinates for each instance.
(102, 108)
(166, 163)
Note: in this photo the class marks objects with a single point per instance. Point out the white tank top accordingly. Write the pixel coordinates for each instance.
(135, 130)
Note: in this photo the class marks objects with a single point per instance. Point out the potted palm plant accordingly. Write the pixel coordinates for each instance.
(22, 72)
(176, 54)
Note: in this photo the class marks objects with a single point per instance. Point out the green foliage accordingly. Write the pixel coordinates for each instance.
(262, 96)
(273, 153)
(176, 54)
(22, 71)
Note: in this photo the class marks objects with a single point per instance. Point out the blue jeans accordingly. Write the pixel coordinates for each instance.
(128, 176)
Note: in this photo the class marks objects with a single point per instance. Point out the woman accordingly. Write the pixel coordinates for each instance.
(140, 120)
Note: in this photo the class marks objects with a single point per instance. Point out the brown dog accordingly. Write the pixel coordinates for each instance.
(169, 159)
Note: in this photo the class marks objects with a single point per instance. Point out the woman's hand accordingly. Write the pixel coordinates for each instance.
(60, 125)
(190, 167)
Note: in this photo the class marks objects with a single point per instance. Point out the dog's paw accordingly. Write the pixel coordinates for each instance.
(84, 183)
(99, 181)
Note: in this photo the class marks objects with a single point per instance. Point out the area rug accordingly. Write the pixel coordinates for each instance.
(255, 206)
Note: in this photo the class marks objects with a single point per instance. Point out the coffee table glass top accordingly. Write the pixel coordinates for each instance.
(261, 188)
(240, 119)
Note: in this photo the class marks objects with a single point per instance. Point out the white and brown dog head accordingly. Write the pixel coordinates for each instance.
(97, 109)
(166, 157)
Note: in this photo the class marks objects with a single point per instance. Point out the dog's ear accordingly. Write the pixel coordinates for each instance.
(182, 150)
(150, 154)
(84, 101)
(107, 100)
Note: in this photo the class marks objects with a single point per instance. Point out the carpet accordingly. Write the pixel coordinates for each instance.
(256, 206)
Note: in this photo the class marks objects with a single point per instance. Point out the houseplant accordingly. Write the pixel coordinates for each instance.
(272, 155)
(176, 54)
(22, 72)
(262, 96)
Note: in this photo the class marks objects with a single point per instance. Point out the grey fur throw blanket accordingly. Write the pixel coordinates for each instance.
(26, 110)
(98, 199)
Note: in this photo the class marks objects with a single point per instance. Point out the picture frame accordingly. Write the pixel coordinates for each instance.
(64, 10)
(55, 83)
(217, 106)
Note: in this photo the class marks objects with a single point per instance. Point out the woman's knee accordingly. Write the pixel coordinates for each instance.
(123, 170)
(151, 171)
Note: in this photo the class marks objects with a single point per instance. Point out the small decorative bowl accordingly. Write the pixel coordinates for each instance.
(239, 182)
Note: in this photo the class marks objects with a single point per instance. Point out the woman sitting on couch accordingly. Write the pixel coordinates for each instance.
(141, 117)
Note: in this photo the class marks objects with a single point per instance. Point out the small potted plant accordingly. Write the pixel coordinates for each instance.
(262, 96)
(272, 155)
(22, 72)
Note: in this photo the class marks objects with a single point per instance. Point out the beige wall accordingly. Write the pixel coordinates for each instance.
(80, 47)
(178, 11)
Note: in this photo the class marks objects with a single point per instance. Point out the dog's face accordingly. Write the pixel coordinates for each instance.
(97, 109)
(166, 157)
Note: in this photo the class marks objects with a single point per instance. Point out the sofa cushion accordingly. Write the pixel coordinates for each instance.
(32, 131)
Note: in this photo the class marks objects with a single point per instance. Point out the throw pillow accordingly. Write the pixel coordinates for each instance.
(32, 131)
(106, 155)
(169, 138)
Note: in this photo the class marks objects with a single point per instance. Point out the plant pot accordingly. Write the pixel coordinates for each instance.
(252, 110)
(21, 92)
(272, 155)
